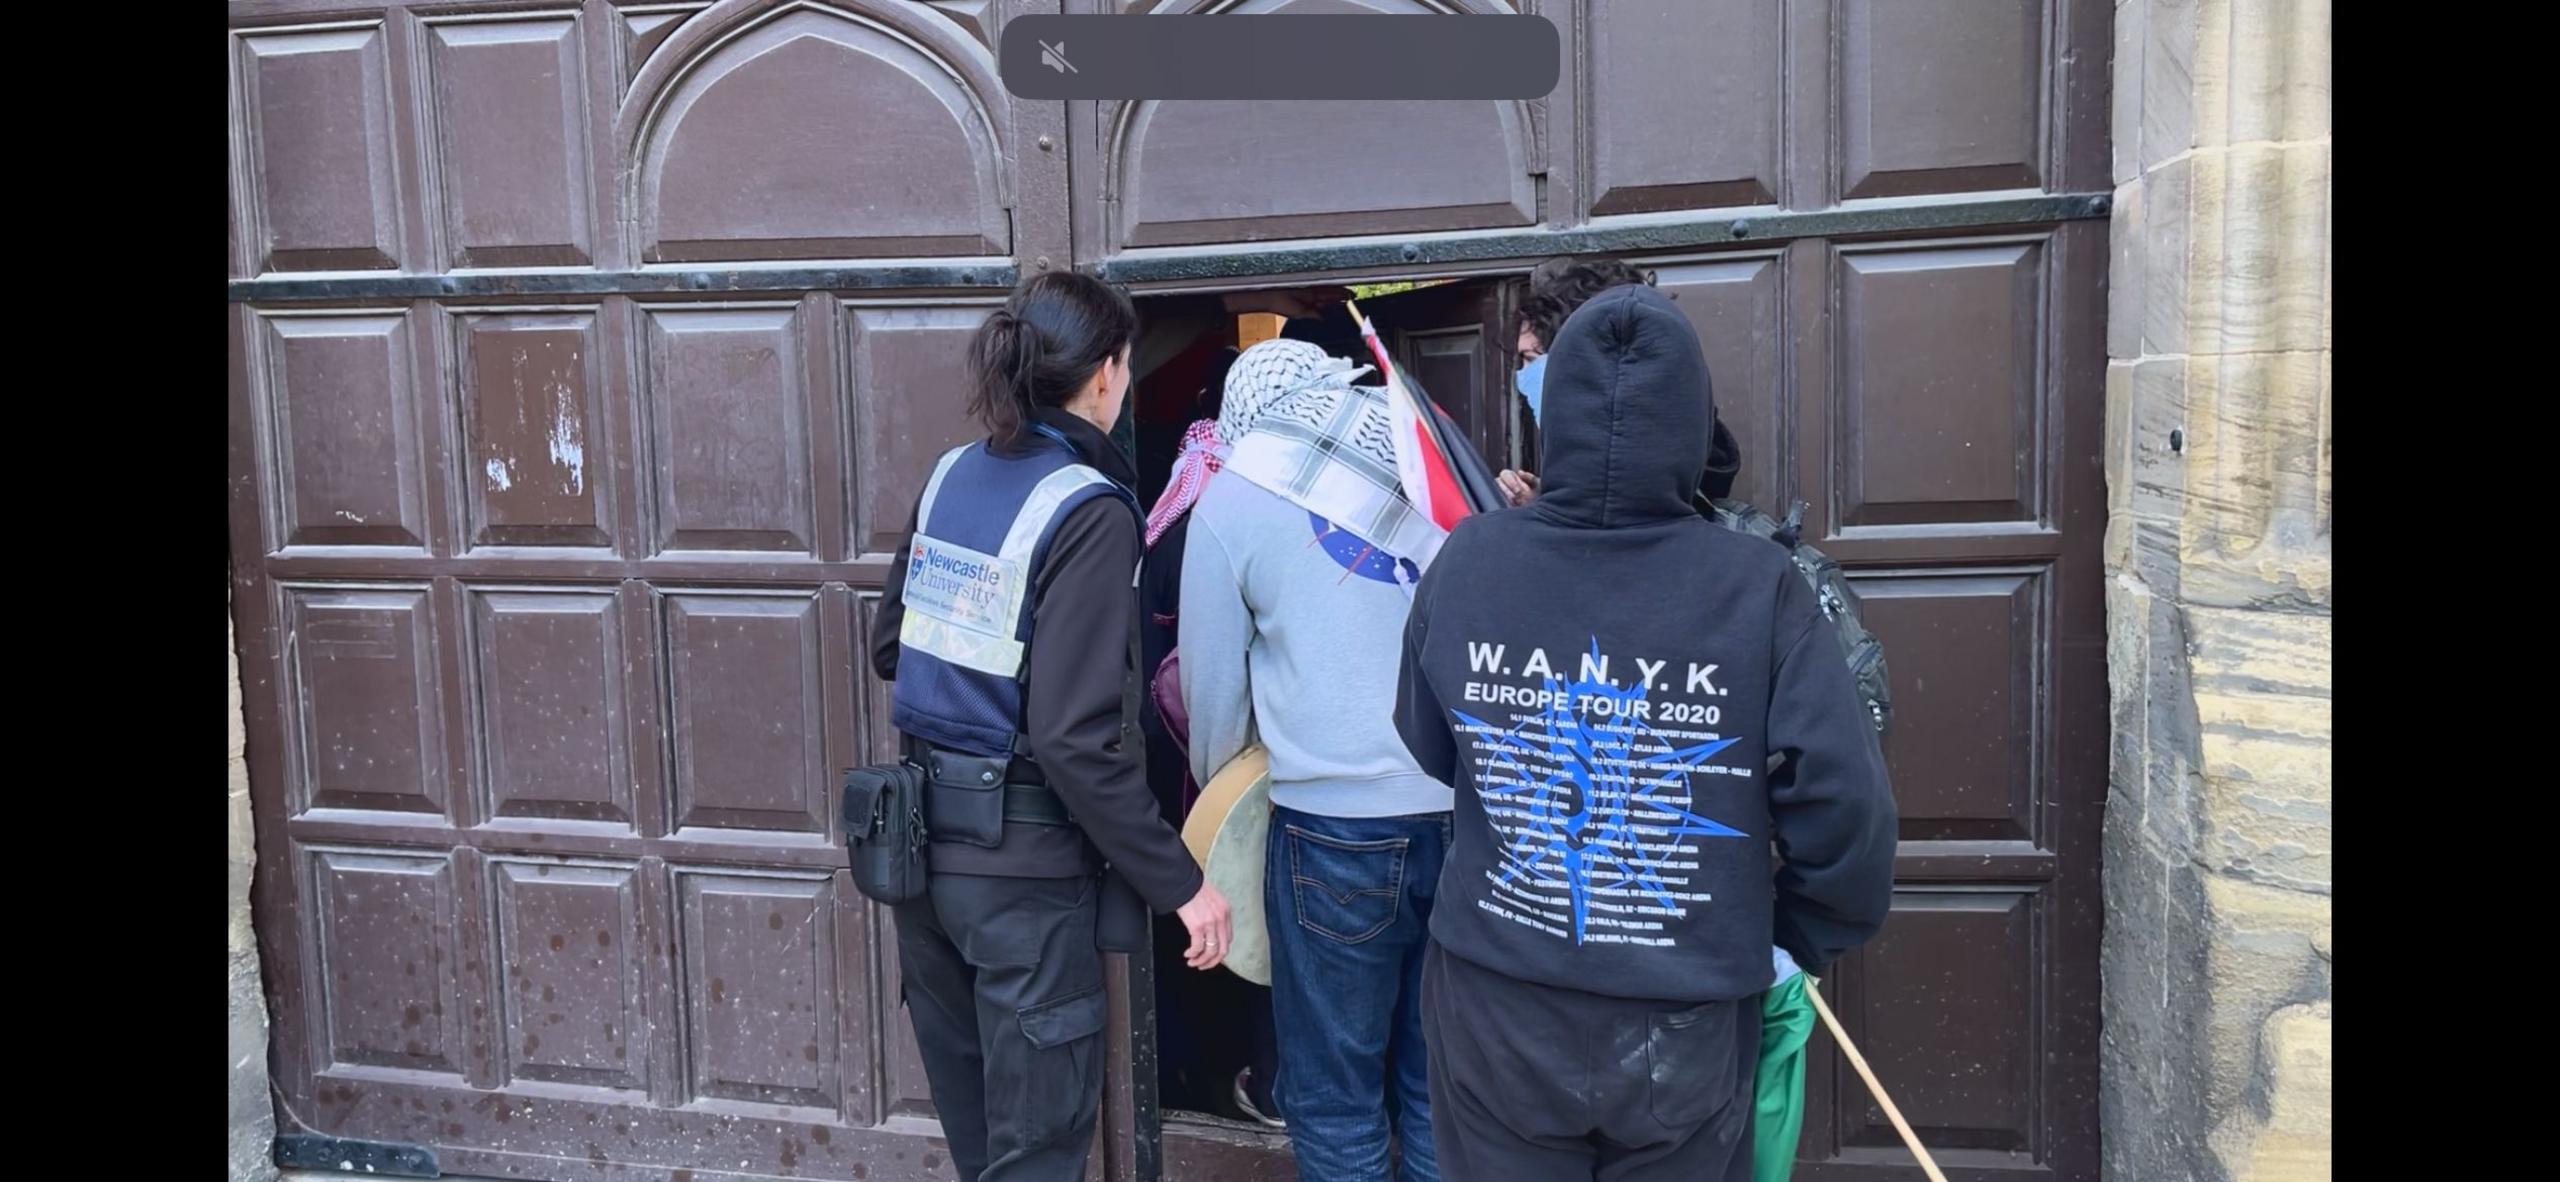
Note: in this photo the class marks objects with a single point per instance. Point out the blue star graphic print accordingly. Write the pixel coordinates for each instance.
(1358, 557)
(1594, 803)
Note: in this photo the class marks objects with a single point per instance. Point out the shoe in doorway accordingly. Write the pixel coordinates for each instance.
(1257, 1112)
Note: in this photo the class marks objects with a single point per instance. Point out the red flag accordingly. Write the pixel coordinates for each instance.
(1423, 466)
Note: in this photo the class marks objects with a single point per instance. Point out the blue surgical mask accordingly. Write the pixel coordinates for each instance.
(1532, 377)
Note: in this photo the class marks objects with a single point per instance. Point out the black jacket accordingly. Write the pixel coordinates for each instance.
(1077, 714)
(1635, 703)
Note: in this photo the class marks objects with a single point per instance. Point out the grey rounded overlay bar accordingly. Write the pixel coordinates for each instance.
(1279, 56)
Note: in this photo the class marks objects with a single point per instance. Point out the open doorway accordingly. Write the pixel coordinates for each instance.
(1453, 338)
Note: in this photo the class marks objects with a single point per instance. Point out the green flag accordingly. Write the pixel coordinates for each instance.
(1786, 1022)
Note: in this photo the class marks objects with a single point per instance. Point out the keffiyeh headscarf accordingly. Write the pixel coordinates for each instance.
(1202, 455)
(1299, 428)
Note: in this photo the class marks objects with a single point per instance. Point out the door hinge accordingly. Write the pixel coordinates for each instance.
(380, 1159)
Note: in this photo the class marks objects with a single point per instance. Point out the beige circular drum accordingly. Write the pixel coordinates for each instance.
(1226, 831)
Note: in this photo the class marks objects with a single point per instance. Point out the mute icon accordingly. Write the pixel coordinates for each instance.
(1055, 57)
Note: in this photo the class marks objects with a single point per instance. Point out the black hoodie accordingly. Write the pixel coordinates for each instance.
(1642, 702)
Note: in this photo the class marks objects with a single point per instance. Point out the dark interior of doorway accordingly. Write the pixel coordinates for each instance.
(1198, 344)
(1211, 1026)
(1184, 389)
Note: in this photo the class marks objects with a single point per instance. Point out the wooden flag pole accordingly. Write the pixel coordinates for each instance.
(1367, 333)
(1874, 1087)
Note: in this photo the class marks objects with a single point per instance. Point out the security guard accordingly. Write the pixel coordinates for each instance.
(1008, 629)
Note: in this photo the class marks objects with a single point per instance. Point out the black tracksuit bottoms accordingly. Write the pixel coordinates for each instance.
(1531, 1083)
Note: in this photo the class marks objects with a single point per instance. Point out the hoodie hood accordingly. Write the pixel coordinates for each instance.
(1633, 415)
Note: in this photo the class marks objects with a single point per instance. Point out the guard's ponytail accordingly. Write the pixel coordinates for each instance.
(1041, 347)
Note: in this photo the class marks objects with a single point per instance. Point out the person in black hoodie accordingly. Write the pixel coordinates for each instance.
(1634, 705)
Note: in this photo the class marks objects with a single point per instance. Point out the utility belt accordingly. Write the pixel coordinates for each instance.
(892, 812)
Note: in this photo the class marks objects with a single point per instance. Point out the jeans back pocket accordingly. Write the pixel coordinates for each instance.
(1345, 890)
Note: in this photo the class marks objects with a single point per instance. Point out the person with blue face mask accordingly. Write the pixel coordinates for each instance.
(1519, 487)
(1531, 376)
(1556, 288)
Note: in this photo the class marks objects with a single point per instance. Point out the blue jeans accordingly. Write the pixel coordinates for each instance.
(1348, 901)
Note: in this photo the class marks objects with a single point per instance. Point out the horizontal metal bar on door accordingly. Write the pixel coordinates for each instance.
(1197, 263)
(567, 282)
(1865, 220)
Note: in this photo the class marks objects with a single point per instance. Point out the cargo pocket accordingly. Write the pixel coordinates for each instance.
(1693, 1066)
(1346, 890)
(1066, 1047)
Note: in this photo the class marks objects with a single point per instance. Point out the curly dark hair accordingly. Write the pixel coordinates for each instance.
(1560, 285)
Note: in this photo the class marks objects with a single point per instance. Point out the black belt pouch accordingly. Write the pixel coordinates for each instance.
(884, 832)
(964, 797)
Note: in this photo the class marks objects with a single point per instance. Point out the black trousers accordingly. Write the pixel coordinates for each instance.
(1003, 981)
(1531, 1083)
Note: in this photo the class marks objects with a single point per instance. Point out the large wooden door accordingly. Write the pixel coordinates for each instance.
(1885, 219)
(585, 361)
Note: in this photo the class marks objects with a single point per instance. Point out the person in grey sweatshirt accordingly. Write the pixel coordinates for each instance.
(1294, 594)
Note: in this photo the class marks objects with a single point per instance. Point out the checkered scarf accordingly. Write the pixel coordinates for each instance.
(1202, 456)
(1305, 433)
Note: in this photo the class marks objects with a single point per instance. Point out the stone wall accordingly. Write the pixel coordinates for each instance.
(2215, 1057)
(253, 1116)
